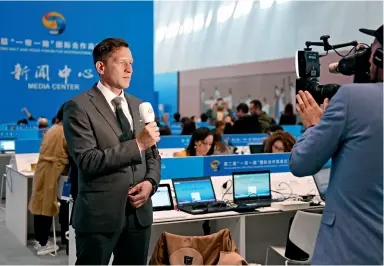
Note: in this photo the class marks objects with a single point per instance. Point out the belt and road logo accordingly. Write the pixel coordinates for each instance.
(55, 22)
(215, 165)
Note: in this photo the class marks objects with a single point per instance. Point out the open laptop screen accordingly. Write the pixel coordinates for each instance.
(256, 148)
(322, 179)
(193, 190)
(252, 185)
(162, 199)
(7, 145)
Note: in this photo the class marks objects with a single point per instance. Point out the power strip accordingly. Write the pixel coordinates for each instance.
(290, 205)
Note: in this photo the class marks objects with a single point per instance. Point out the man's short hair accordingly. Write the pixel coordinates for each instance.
(103, 50)
(243, 107)
(257, 104)
(177, 116)
(204, 117)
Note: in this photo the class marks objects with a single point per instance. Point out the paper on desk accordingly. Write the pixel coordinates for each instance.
(267, 209)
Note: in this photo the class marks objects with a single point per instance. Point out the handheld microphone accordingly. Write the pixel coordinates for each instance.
(147, 115)
(334, 68)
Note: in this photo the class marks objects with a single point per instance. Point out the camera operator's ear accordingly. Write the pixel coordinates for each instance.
(378, 58)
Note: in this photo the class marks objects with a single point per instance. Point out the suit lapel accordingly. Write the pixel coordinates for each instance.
(101, 104)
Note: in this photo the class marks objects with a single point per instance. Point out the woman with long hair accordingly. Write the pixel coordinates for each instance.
(280, 142)
(201, 144)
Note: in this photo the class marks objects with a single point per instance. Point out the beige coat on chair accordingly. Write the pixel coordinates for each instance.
(214, 249)
(53, 162)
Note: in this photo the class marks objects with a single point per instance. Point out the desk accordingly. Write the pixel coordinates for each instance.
(19, 190)
(18, 219)
(4, 161)
(252, 231)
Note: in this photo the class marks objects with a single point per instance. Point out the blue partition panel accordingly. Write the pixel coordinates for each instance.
(234, 140)
(294, 130)
(22, 134)
(173, 142)
(182, 167)
(27, 146)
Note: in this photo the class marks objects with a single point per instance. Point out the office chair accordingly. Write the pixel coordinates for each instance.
(59, 194)
(303, 234)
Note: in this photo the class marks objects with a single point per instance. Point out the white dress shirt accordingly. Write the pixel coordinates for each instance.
(109, 96)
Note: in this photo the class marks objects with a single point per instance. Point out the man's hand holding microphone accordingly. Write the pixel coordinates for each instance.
(147, 138)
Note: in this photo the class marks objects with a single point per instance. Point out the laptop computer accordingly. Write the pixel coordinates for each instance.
(256, 148)
(196, 196)
(251, 190)
(321, 179)
(7, 146)
(162, 204)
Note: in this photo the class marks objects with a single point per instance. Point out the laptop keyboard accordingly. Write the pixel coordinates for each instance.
(251, 206)
(212, 207)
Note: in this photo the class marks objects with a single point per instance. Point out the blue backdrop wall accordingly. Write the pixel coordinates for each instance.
(166, 84)
(46, 51)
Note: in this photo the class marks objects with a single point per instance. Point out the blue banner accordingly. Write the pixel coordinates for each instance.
(46, 51)
(223, 165)
(226, 165)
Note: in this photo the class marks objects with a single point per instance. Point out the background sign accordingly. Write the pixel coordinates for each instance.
(46, 51)
(243, 139)
(226, 165)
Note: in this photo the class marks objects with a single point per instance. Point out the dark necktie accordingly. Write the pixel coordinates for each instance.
(123, 120)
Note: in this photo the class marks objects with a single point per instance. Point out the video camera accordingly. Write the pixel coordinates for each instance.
(308, 68)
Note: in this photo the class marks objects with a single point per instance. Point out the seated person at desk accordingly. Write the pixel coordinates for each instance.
(220, 147)
(280, 142)
(188, 126)
(201, 144)
(42, 123)
(288, 118)
(53, 162)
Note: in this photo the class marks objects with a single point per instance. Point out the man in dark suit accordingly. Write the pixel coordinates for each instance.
(118, 172)
(245, 124)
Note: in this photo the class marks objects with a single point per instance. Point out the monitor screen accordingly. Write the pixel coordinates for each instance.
(321, 180)
(161, 198)
(256, 148)
(7, 145)
(252, 185)
(193, 191)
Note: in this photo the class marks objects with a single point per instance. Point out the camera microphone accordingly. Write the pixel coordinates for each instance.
(147, 115)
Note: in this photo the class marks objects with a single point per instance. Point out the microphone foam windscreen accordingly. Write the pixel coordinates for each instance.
(147, 114)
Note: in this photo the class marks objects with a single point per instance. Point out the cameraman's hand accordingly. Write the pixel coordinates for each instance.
(148, 136)
(310, 112)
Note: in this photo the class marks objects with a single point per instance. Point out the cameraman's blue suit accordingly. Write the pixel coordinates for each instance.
(351, 132)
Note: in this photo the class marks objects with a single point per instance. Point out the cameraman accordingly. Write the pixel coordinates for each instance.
(350, 131)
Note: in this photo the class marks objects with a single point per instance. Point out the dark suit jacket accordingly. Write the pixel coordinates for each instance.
(107, 166)
(246, 125)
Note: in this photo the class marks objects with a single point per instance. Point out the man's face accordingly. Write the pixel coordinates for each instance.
(117, 70)
(253, 110)
(373, 67)
(240, 113)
